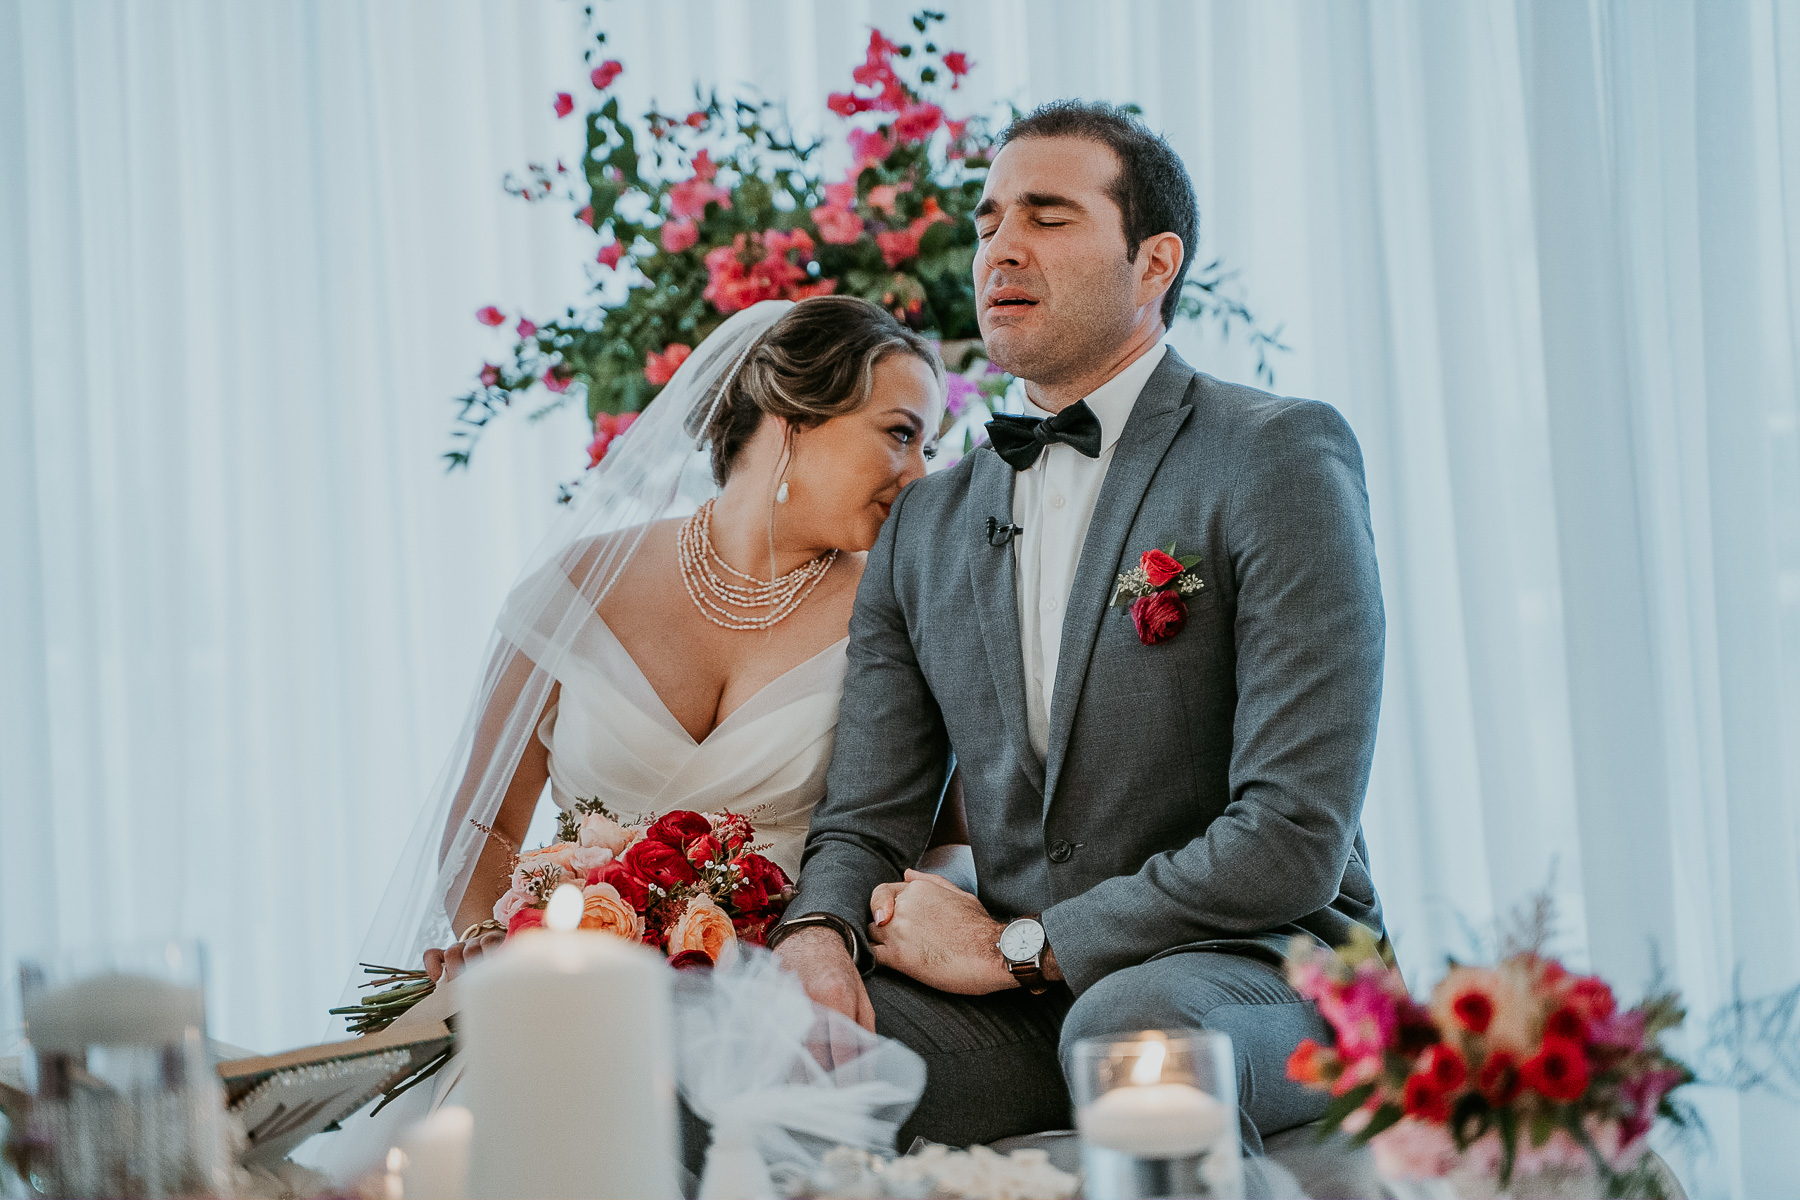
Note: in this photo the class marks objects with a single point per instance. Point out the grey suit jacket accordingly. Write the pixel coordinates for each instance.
(1205, 792)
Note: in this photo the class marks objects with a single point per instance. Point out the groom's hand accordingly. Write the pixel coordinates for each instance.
(932, 930)
(818, 956)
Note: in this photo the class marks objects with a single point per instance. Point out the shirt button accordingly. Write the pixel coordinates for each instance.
(1048, 604)
(1061, 852)
(1056, 500)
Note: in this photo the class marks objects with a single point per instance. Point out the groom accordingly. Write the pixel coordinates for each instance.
(1156, 805)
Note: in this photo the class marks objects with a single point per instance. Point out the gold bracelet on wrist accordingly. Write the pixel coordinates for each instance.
(488, 926)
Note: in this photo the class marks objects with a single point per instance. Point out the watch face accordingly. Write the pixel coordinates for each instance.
(1022, 940)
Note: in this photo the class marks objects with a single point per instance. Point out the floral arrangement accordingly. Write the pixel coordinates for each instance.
(1522, 1069)
(1153, 592)
(703, 213)
(690, 884)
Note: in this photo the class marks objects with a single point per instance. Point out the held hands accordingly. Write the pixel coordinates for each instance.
(940, 935)
(448, 964)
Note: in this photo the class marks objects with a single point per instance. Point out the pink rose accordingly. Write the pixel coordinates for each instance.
(603, 75)
(507, 906)
(838, 226)
(609, 255)
(660, 368)
(587, 859)
(490, 316)
(897, 245)
(679, 235)
(525, 918)
(1158, 618)
(598, 829)
(564, 105)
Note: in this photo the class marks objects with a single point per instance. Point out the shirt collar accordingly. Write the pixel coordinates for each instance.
(1113, 400)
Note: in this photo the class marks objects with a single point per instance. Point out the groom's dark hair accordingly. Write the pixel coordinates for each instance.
(1152, 188)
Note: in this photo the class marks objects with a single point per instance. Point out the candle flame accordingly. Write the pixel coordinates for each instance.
(564, 912)
(1148, 1068)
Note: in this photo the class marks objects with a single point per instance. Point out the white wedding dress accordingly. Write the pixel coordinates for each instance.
(612, 739)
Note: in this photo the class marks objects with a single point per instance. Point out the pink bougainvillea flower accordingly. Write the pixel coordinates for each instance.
(558, 377)
(696, 119)
(897, 245)
(841, 195)
(869, 147)
(598, 447)
(490, 316)
(838, 226)
(690, 198)
(603, 75)
(564, 104)
(660, 368)
(586, 216)
(757, 266)
(490, 375)
(917, 122)
(957, 63)
(932, 215)
(843, 104)
(608, 428)
(958, 391)
(679, 235)
(525, 328)
(609, 255)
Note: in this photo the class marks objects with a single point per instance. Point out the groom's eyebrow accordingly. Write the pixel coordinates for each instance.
(990, 206)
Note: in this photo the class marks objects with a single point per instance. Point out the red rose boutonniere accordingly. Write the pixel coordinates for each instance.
(1154, 589)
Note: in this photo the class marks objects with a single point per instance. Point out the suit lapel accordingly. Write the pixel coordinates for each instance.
(992, 573)
(1155, 419)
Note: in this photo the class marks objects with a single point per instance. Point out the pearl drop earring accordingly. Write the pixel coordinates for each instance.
(781, 493)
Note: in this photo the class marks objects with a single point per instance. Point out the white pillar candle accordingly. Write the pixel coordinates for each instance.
(1160, 1120)
(436, 1166)
(570, 1082)
(113, 1009)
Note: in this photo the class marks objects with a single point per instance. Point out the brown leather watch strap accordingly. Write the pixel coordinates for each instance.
(1030, 975)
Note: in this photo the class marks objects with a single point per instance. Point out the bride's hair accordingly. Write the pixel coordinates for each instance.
(817, 362)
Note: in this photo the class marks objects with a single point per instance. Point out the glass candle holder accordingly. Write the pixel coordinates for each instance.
(1158, 1115)
(125, 1100)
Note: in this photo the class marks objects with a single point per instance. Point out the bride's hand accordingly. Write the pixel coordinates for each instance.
(448, 964)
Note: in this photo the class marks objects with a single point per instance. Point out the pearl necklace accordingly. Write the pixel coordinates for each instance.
(716, 597)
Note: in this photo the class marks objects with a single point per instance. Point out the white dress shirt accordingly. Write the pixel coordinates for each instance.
(1054, 502)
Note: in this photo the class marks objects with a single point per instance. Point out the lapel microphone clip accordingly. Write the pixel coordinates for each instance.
(999, 535)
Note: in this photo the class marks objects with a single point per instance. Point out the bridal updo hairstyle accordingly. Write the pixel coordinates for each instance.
(817, 362)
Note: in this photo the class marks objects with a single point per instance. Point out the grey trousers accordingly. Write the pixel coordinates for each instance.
(995, 1063)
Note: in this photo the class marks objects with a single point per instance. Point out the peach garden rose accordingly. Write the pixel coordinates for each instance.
(603, 910)
(706, 927)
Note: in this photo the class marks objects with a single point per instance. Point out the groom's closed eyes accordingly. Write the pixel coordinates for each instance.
(1046, 207)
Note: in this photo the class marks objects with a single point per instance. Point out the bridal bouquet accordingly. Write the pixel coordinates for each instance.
(1521, 1069)
(688, 883)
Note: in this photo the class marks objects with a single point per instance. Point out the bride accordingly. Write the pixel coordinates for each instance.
(678, 640)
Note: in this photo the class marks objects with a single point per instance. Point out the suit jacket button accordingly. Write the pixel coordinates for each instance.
(1061, 852)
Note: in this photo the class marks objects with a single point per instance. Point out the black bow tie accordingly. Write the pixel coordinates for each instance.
(1019, 440)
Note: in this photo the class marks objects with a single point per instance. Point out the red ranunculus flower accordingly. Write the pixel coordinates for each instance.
(659, 863)
(564, 105)
(603, 75)
(678, 828)
(1475, 1009)
(759, 882)
(1558, 1071)
(705, 849)
(1159, 567)
(754, 931)
(1565, 1022)
(1445, 1066)
(490, 316)
(1159, 617)
(525, 918)
(1498, 1079)
(630, 888)
(1424, 1101)
(691, 960)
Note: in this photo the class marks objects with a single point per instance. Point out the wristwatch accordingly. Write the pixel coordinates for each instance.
(1022, 944)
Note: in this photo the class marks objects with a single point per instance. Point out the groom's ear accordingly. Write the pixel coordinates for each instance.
(1159, 261)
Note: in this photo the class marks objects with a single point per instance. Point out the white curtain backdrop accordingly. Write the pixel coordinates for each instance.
(1541, 253)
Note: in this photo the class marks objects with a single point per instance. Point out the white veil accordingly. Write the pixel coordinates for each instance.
(659, 468)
